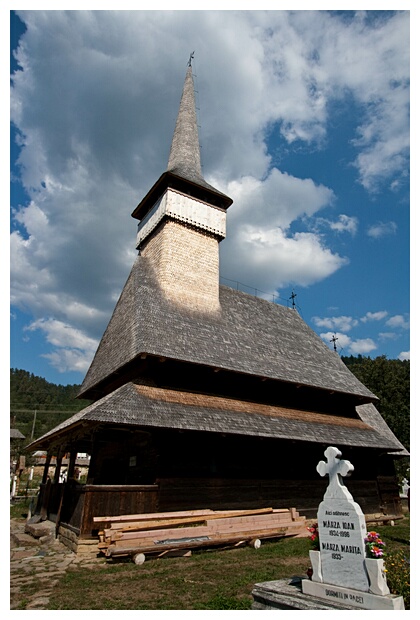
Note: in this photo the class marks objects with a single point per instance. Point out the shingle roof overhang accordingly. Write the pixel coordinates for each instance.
(196, 187)
(150, 407)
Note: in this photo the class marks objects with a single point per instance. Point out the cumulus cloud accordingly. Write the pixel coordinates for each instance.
(342, 341)
(404, 355)
(345, 223)
(94, 105)
(73, 349)
(381, 229)
(259, 247)
(361, 346)
(387, 336)
(398, 321)
(343, 323)
(374, 316)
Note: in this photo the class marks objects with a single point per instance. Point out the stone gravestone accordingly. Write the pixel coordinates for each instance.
(342, 573)
(342, 528)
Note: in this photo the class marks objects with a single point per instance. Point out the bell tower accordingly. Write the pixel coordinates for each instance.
(182, 219)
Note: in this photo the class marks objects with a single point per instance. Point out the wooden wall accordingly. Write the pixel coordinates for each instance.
(225, 494)
(208, 470)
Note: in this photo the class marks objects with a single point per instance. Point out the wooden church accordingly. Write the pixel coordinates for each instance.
(203, 396)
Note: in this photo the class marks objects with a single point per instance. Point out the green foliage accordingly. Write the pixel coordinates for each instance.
(19, 509)
(397, 565)
(389, 380)
(36, 404)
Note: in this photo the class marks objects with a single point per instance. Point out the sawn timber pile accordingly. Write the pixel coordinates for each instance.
(155, 533)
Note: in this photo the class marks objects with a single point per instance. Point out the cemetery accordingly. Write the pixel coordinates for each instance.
(342, 575)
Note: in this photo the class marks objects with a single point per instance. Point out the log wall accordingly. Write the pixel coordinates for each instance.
(232, 494)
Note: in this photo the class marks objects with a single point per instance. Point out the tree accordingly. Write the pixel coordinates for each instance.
(34, 402)
(389, 380)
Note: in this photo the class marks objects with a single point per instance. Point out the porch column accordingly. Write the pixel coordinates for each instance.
(46, 467)
(72, 464)
(58, 466)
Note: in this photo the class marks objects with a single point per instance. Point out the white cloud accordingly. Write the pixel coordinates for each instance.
(374, 316)
(404, 355)
(381, 229)
(345, 223)
(362, 346)
(73, 349)
(387, 336)
(342, 341)
(69, 360)
(398, 321)
(258, 249)
(343, 323)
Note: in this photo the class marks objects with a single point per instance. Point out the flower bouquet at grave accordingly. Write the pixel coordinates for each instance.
(314, 536)
(374, 546)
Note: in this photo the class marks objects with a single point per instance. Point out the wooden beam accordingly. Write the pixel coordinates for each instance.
(216, 514)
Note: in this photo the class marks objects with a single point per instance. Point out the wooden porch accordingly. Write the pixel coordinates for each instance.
(74, 506)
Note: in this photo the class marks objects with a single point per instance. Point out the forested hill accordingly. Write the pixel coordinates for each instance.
(389, 380)
(34, 398)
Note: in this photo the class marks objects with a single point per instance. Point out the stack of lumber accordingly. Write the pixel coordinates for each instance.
(158, 533)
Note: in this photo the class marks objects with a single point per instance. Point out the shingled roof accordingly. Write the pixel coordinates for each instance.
(248, 335)
(16, 434)
(150, 407)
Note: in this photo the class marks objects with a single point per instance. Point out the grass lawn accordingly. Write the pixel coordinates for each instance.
(207, 580)
(217, 580)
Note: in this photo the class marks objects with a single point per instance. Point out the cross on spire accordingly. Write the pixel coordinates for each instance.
(336, 469)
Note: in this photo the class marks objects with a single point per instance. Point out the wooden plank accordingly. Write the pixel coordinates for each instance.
(214, 526)
(165, 522)
(120, 538)
(181, 515)
(268, 518)
(150, 515)
(238, 524)
(114, 550)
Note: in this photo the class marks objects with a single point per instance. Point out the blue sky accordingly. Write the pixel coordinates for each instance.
(304, 122)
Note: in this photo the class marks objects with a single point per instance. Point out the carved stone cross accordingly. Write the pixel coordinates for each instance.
(336, 469)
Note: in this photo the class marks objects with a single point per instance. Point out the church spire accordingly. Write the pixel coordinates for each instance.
(184, 157)
(183, 173)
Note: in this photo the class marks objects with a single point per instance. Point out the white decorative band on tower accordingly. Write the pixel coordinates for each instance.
(184, 209)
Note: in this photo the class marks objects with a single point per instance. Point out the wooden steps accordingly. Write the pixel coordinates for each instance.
(162, 533)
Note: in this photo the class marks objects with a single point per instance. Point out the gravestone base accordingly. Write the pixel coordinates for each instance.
(303, 594)
(361, 600)
(287, 594)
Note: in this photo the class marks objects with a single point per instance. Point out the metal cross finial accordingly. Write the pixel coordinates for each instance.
(336, 469)
(191, 57)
